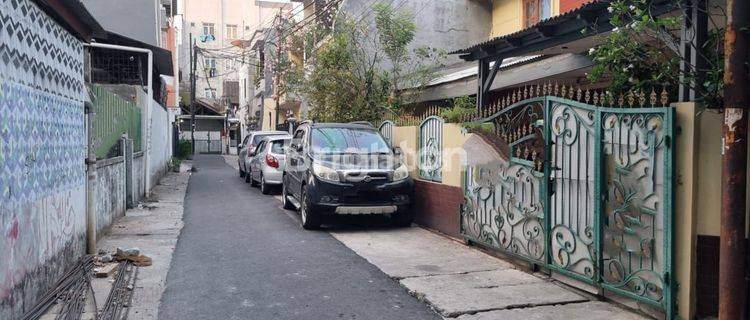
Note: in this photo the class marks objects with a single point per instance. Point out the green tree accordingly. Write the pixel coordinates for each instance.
(641, 52)
(359, 74)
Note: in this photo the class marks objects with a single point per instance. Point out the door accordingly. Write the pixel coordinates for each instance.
(256, 160)
(296, 162)
(242, 153)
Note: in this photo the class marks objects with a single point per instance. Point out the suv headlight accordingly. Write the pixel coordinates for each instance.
(401, 173)
(325, 173)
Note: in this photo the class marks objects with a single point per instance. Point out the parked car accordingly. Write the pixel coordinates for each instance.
(267, 162)
(345, 169)
(248, 146)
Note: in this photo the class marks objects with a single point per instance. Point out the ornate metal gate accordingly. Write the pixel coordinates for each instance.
(386, 131)
(580, 189)
(431, 148)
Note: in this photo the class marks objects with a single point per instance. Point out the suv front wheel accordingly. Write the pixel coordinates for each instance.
(310, 218)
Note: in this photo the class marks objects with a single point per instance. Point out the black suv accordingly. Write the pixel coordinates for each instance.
(347, 169)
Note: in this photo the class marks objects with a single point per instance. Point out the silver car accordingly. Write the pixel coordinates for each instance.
(248, 147)
(267, 163)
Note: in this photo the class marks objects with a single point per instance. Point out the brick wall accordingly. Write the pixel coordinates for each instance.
(707, 282)
(437, 206)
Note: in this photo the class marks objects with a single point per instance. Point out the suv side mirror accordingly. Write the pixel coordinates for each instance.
(297, 147)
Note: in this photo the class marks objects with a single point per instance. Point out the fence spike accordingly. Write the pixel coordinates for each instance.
(515, 92)
(579, 93)
(525, 92)
(664, 97)
(621, 101)
(595, 99)
(557, 88)
(631, 99)
(587, 96)
(652, 97)
(518, 152)
(641, 98)
(538, 90)
(526, 152)
(563, 91)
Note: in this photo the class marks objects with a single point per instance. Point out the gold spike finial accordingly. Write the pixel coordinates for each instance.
(664, 97)
(652, 97)
(641, 98)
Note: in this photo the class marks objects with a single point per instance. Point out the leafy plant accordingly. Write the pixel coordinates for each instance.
(462, 107)
(357, 73)
(641, 52)
(184, 148)
(485, 127)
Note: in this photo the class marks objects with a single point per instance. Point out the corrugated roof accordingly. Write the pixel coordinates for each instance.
(564, 28)
(545, 22)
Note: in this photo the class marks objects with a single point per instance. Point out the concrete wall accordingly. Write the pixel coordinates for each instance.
(160, 143)
(440, 24)
(42, 147)
(110, 192)
(137, 19)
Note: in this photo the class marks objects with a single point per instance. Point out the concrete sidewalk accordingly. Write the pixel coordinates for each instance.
(462, 282)
(153, 227)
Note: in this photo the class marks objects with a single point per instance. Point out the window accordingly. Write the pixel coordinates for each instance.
(209, 64)
(209, 93)
(231, 31)
(531, 12)
(209, 34)
(279, 146)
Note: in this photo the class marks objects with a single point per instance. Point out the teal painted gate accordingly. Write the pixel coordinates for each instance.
(581, 189)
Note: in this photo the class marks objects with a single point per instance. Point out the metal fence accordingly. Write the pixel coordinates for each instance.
(585, 191)
(114, 117)
(386, 130)
(431, 149)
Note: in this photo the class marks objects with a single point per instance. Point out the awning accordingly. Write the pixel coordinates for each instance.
(520, 72)
(564, 29)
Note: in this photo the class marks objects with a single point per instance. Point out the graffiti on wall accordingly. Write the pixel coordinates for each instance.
(42, 147)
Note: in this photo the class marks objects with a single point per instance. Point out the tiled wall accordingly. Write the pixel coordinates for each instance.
(42, 147)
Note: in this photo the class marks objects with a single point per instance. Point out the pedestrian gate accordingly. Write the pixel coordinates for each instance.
(584, 191)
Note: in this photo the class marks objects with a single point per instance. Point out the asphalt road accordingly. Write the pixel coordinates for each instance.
(241, 256)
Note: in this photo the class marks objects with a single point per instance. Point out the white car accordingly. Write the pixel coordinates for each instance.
(267, 162)
(248, 147)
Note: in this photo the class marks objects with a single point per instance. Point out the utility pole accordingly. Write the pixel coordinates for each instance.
(193, 64)
(276, 76)
(732, 259)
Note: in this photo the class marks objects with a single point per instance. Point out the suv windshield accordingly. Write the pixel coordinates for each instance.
(347, 140)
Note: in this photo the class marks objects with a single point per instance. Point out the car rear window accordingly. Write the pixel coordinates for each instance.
(278, 146)
(347, 140)
(259, 137)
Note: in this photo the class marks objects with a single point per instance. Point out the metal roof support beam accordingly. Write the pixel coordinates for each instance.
(486, 77)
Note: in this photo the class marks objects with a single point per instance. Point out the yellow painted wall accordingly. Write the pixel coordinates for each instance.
(269, 115)
(453, 141)
(709, 173)
(506, 17)
(406, 139)
(685, 207)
